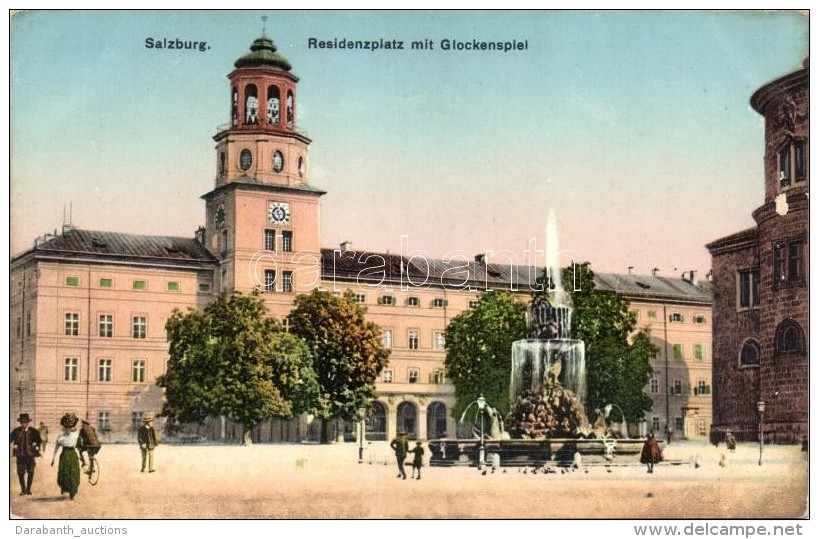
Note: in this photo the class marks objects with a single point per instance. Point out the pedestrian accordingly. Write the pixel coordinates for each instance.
(417, 459)
(651, 453)
(68, 471)
(730, 441)
(146, 436)
(400, 445)
(89, 443)
(43, 430)
(25, 442)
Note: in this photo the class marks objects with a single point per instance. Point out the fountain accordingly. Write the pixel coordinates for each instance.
(547, 422)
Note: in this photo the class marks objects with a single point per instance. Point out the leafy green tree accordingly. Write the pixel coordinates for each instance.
(233, 360)
(348, 354)
(617, 353)
(479, 350)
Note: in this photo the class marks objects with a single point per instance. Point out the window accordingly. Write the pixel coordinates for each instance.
(360, 298)
(699, 319)
(412, 301)
(72, 369)
(655, 386)
(652, 315)
(269, 280)
(387, 377)
(788, 262)
(107, 325)
(140, 285)
(413, 375)
(223, 242)
(19, 328)
(702, 387)
(792, 163)
(28, 324)
(701, 426)
(750, 354)
(386, 339)
(287, 241)
(287, 281)
(655, 423)
(789, 339)
(413, 339)
(699, 352)
(105, 367)
(473, 303)
(678, 352)
(678, 423)
(439, 340)
(72, 324)
(677, 389)
(104, 421)
(386, 300)
(269, 240)
(106, 282)
(173, 286)
(204, 287)
(438, 303)
(139, 327)
(748, 282)
(72, 281)
(138, 370)
(438, 376)
(675, 317)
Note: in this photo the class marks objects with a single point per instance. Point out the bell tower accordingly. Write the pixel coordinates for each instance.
(263, 214)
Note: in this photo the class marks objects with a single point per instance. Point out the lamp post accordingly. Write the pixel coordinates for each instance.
(361, 431)
(760, 407)
(481, 449)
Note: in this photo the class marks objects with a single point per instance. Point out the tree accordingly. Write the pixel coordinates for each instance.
(479, 350)
(617, 353)
(233, 360)
(347, 351)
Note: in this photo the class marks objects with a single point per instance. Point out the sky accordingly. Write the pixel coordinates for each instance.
(633, 127)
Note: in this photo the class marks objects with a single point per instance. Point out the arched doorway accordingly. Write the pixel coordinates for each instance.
(436, 420)
(407, 419)
(377, 422)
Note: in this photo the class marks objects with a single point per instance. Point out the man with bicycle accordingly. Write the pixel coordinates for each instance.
(88, 442)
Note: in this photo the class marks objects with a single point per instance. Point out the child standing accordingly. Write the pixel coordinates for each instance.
(417, 459)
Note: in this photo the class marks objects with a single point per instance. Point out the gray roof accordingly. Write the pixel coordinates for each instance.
(650, 286)
(83, 244)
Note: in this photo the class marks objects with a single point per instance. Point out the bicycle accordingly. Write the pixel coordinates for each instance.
(93, 471)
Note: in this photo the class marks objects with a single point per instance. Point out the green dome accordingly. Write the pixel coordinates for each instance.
(263, 53)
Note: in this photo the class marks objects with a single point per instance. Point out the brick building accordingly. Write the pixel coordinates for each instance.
(88, 308)
(761, 283)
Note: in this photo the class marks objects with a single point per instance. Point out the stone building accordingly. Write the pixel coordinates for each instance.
(88, 308)
(761, 283)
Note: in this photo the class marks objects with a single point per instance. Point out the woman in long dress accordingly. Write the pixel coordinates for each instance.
(68, 472)
(651, 453)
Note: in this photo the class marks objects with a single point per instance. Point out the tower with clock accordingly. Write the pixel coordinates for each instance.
(263, 213)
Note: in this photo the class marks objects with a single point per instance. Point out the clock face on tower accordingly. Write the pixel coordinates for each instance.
(279, 212)
(219, 216)
(278, 161)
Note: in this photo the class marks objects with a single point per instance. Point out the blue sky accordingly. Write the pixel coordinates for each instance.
(634, 126)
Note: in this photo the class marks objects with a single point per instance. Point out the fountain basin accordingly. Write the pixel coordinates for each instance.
(535, 453)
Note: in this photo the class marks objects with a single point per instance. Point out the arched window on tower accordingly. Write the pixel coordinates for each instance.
(290, 116)
(222, 164)
(234, 107)
(789, 339)
(273, 105)
(750, 354)
(251, 104)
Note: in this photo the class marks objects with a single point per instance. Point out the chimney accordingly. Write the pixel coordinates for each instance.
(346, 245)
(654, 272)
(690, 276)
(200, 235)
(480, 258)
(629, 269)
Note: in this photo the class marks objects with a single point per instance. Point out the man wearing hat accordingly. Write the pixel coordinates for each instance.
(26, 443)
(146, 436)
(400, 445)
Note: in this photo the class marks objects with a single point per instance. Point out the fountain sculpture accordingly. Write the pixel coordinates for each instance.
(547, 421)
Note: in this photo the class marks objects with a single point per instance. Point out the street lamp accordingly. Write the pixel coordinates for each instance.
(481, 450)
(362, 429)
(760, 407)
